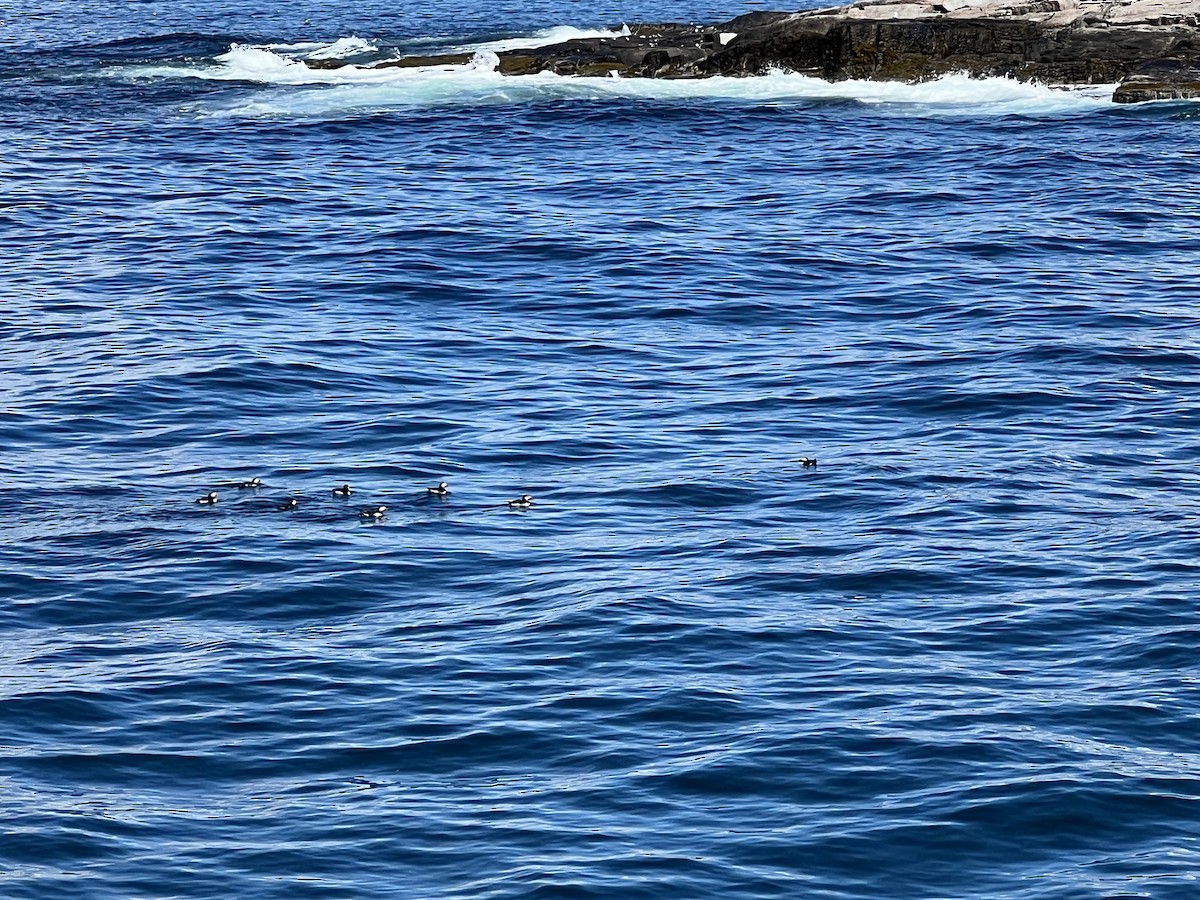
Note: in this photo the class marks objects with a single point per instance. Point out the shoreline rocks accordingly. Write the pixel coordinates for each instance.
(1160, 79)
(1151, 47)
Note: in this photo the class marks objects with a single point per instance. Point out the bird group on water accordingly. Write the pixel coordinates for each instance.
(441, 490)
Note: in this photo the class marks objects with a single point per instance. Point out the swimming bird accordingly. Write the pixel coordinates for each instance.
(208, 499)
(252, 483)
(808, 463)
(440, 491)
(290, 503)
(343, 491)
(373, 512)
(522, 502)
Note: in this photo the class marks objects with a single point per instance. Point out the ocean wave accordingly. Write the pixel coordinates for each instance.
(161, 49)
(544, 38)
(476, 83)
(339, 49)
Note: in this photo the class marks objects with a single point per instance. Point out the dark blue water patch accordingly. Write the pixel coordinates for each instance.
(173, 46)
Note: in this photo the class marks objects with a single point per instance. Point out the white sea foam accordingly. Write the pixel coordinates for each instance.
(268, 67)
(544, 38)
(342, 47)
(366, 89)
(479, 84)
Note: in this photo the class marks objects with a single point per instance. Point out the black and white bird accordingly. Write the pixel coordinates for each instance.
(290, 503)
(441, 490)
(251, 484)
(343, 491)
(522, 502)
(208, 499)
(808, 463)
(373, 512)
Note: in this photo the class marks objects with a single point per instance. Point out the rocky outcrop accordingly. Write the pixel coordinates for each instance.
(1151, 46)
(1053, 41)
(1160, 79)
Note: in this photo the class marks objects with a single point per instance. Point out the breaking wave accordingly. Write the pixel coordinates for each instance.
(544, 38)
(339, 49)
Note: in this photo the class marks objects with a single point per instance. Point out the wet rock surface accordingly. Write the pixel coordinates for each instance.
(1160, 79)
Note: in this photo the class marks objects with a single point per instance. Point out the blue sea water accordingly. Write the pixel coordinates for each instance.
(956, 659)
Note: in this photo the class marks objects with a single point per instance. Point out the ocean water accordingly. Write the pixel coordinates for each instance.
(957, 658)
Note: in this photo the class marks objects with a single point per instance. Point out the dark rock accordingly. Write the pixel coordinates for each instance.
(646, 51)
(325, 63)
(411, 62)
(653, 61)
(836, 48)
(1161, 79)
